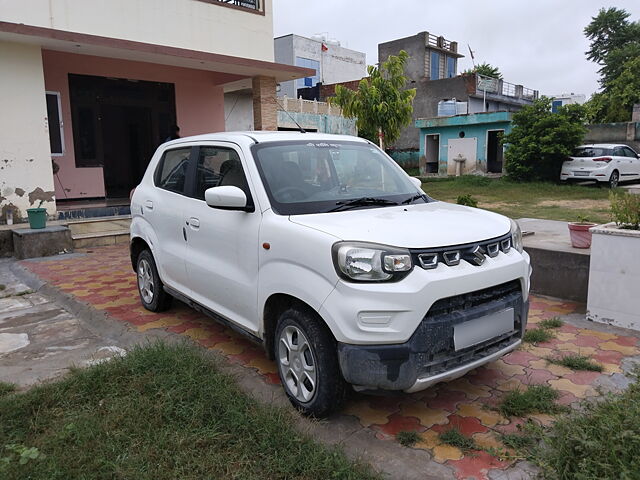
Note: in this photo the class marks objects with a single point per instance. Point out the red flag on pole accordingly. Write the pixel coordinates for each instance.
(324, 47)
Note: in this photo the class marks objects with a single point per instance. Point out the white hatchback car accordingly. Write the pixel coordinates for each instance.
(323, 250)
(602, 162)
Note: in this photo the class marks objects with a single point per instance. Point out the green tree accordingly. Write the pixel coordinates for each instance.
(381, 104)
(616, 104)
(615, 46)
(485, 69)
(614, 40)
(541, 140)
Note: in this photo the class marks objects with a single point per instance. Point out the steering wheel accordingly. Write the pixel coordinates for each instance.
(293, 193)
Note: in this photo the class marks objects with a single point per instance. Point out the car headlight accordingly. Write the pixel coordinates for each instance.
(516, 236)
(370, 262)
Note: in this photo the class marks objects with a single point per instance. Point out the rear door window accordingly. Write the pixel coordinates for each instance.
(171, 173)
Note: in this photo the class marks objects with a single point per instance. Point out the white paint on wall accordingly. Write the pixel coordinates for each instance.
(238, 112)
(25, 155)
(337, 64)
(190, 24)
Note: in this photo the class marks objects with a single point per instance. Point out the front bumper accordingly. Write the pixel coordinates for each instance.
(429, 357)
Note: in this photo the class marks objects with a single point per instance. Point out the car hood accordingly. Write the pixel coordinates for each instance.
(423, 225)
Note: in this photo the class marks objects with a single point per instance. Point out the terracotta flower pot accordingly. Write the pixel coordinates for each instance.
(580, 234)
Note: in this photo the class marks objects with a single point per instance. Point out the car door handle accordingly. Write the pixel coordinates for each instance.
(194, 223)
(148, 204)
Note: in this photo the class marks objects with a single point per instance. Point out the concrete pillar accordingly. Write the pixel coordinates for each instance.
(265, 112)
(635, 115)
(26, 174)
(519, 91)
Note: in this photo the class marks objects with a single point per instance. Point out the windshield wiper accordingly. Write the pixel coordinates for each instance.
(361, 202)
(413, 199)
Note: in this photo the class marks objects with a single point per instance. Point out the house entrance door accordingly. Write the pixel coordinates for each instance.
(117, 125)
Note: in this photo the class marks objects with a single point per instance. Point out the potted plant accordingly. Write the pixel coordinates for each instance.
(37, 216)
(614, 271)
(579, 232)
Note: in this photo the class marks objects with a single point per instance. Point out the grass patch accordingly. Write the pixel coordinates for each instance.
(519, 442)
(602, 440)
(6, 388)
(554, 322)
(536, 199)
(161, 412)
(455, 438)
(407, 438)
(576, 362)
(535, 399)
(537, 335)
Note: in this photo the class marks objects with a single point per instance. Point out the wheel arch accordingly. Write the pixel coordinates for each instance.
(273, 308)
(136, 247)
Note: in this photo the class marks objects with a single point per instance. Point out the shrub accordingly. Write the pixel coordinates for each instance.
(541, 140)
(467, 200)
(625, 210)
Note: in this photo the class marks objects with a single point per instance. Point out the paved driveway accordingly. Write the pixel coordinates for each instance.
(104, 279)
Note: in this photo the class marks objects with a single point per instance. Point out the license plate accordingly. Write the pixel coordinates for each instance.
(581, 174)
(482, 329)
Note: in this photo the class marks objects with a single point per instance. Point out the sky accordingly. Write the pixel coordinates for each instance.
(539, 44)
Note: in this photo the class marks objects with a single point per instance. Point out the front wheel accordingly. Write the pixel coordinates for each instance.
(307, 361)
(614, 179)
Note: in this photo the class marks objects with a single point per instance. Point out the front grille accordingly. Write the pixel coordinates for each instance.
(474, 253)
(435, 345)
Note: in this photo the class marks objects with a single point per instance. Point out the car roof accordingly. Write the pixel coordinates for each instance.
(604, 145)
(266, 136)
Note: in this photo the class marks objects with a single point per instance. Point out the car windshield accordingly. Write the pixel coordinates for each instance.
(317, 176)
(591, 152)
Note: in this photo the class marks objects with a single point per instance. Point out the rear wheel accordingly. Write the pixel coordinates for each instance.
(614, 179)
(307, 361)
(152, 294)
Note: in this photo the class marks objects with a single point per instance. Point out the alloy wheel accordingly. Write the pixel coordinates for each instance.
(297, 363)
(614, 179)
(145, 281)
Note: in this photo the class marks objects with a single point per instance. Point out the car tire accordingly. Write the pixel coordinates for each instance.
(307, 359)
(150, 288)
(614, 179)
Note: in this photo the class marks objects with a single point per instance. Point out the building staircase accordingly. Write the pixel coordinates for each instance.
(99, 231)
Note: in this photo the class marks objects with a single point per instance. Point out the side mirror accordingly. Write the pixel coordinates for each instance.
(417, 182)
(226, 198)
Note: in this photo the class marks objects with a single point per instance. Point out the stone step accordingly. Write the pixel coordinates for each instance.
(100, 239)
(99, 225)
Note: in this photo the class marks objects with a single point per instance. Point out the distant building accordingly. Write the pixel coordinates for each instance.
(332, 62)
(567, 99)
(432, 70)
(473, 140)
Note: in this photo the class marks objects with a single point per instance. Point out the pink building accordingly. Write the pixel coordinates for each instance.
(89, 89)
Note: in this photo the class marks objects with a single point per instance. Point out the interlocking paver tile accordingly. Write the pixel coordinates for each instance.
(427, 416)
(104, 279)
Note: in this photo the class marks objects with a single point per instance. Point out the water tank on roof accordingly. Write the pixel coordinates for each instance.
(450, 108)
(447, 108)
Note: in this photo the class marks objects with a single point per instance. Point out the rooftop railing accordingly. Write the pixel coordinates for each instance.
(500, 87)
(441, 42)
